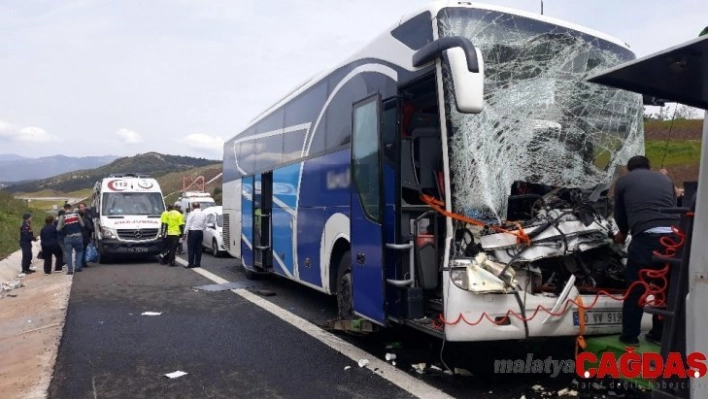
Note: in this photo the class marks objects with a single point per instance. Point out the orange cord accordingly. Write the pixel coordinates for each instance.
(671, 247)
(521, 237)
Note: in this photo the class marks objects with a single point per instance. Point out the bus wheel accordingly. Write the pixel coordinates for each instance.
(345, 303)
(250, 274)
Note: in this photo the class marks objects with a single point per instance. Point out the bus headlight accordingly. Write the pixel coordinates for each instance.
(458, 273)
(108, 233)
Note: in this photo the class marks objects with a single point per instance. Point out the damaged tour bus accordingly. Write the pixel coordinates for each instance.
(452, 176)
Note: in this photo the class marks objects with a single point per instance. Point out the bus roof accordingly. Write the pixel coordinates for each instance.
(434, 8)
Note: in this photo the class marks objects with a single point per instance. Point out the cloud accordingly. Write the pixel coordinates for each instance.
(29, 134)
(129, 137)
(34, 134)
(205, 143)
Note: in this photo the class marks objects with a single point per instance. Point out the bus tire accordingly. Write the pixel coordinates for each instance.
(250, 274)
(345, 303)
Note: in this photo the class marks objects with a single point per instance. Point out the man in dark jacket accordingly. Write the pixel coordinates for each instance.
(640, 197)
(50, 246)
(87, 230)
(71, 223)
(26, 239)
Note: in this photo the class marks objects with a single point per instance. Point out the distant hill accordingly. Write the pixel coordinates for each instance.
(11, 157)
(15, 168)
(152, 163)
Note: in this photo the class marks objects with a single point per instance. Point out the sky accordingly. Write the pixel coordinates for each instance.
(82, 77)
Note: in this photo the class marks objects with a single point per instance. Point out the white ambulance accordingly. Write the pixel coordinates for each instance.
(126, 211)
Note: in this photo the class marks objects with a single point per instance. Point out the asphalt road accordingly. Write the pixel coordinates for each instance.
(232, 348)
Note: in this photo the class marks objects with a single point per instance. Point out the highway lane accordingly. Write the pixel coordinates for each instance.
(230, 346)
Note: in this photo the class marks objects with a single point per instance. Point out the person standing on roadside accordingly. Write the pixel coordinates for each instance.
(49, 237)
(640, 197)
(196, 224)
(87, 230)
(71, 223)
(172, 230)
(180, 245)
(26, 238)
(61, 236)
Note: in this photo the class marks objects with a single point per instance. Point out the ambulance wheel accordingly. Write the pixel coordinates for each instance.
(215, 249)
(102, 258)
(345, 303)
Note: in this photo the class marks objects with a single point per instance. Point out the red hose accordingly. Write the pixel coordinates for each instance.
(670, 245)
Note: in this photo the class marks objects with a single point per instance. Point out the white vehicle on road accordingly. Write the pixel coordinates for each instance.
(213, 240)
(126, 211)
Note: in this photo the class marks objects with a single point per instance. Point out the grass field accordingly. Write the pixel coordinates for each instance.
(11, 211)
(676, 153)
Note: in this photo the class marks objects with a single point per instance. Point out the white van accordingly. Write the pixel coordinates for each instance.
(126, 211)
(190, 197)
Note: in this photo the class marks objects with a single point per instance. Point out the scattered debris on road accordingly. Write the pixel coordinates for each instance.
(175, 374)
(265, 292)
(363, 362)
(151, 313)
(462, 372)
(225, 286)
(347, 368)
(390, 356)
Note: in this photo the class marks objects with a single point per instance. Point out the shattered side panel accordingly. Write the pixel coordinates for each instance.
(541, 123)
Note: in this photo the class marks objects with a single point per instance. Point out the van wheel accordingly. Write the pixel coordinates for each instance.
(345, 302)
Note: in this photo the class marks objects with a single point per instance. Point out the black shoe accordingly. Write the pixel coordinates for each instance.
(188, 266)
(69, 272)
(634, 341)
(653, 338)
(28, 271)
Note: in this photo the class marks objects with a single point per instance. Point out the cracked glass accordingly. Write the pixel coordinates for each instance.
(542, 122)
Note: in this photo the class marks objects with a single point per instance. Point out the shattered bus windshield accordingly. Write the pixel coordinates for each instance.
(542, 123)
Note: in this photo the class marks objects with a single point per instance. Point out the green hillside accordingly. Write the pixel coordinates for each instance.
(11, 211)
(152, 163)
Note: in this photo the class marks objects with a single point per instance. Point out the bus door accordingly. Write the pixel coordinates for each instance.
(367, 211)
(262, 212)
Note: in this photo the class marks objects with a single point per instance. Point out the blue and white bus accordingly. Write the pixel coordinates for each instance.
(452, 176)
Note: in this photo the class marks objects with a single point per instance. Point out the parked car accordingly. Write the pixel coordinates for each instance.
(213, 240)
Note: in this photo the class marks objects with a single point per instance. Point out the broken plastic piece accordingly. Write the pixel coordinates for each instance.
(390, 356)
(537, 388)
(347, 367)
(175, 374)
(419, 366)
(151, 313)
(363, 362)
(462, 372)
(436, 368)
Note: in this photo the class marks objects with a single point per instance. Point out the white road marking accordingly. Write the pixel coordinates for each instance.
(403, 380)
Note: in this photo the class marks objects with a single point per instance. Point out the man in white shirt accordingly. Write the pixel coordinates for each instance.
(196, 224)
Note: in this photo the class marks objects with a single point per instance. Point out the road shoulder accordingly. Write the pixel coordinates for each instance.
(31, 324)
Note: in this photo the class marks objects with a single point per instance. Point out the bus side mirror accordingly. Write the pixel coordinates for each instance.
(466, 66)
(468, 86)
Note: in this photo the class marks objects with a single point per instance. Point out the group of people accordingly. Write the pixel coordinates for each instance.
(173, 231)
(61, 238)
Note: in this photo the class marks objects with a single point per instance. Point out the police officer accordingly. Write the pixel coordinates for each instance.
(172, 230)
(26, 238)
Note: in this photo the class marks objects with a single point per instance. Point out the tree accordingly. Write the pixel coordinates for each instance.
(704, 32)
(216, 194)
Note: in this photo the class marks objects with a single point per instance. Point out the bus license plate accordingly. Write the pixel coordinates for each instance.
(137, 249)
(598, 318)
